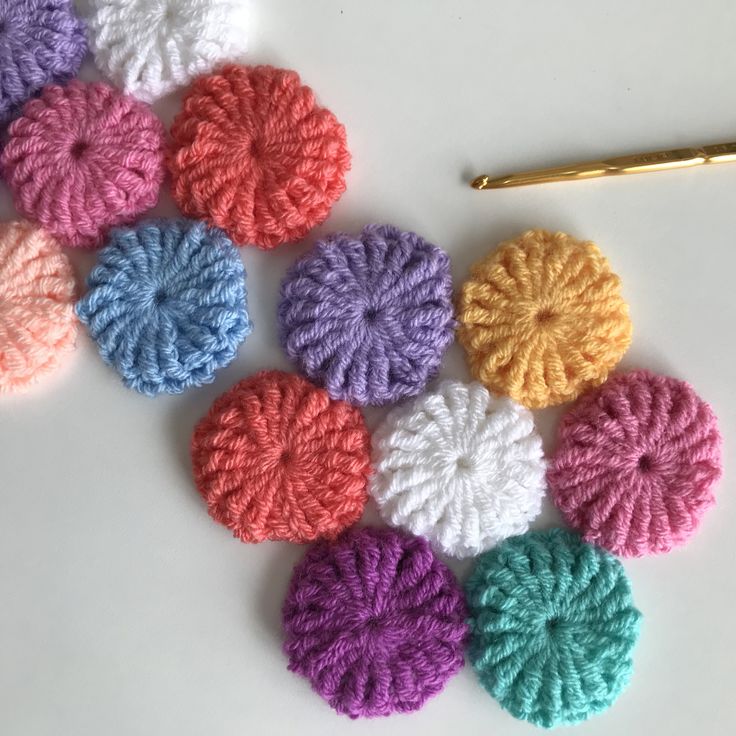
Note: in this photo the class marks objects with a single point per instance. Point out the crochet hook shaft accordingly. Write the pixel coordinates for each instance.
(638, 163)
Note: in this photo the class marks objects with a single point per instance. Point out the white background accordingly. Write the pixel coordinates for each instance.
(125, 610)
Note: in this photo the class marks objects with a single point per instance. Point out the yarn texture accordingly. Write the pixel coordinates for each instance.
(553, 627)
(84, 158)
(167, 305)
(255, 155)
(41, 41)
(542, 319)
(375, 621)
(37, 290)
(151, 47)
(636, 464)
(276, 458)
(459, 466)
(369, 317)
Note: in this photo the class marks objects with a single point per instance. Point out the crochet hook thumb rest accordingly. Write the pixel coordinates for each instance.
(638, 163)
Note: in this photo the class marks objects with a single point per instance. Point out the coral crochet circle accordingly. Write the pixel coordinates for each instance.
(553, 627)
(542, 319)
(82, 159)
(369, 317)
(636, 464)
(375, 622)
(167, 305)
(37, 322)
(151, 47)
(255, 155)
(276, 458)
(459, 466)
(41, 41)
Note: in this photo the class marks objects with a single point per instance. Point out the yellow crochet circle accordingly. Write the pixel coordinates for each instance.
(542, 319)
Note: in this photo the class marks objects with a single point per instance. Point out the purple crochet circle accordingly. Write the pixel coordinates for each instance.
(41, 41)
(369, 317)
(375, 621)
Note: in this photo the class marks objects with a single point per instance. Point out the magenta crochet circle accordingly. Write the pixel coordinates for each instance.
(84, 158)
(375, 621)
(636, 464)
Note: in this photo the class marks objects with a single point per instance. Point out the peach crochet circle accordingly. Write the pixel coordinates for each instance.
(37, 322)
(84, 158)
(254, 155)
(277, 458)
(542, 319)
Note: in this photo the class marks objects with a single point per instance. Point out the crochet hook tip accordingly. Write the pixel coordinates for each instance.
(480, 182)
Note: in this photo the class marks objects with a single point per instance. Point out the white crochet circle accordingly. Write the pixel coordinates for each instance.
(459, 466)
(151, 47)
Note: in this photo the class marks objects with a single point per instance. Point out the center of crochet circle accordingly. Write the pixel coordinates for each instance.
(168, 12)
(79, 148)
(285, 457)
(160, 296)
(464, 463)
(645, 463)
(544, 316)
(256, 149)
(374, 624)
(370, 315)
(553, 625)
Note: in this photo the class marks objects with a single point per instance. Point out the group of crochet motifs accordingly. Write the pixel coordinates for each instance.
(373, 617)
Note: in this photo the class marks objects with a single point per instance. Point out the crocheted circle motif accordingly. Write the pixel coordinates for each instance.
(84, 158)
(369, 317)
(542, 319)
(460, 467)
(167, 305)
(41, 41)
(276, 458)
(37, 323)
(553, 627)
(151, 47)
(255, 155)
(375, 622)
(636, 464)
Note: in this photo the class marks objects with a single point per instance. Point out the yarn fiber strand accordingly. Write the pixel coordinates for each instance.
(375, 622)
(255, 155)
(459, 466)
(553, 627)
(276, 458)
(369, 317)
(636, 464)
(41, 42)
(542, 319)
(37, 290)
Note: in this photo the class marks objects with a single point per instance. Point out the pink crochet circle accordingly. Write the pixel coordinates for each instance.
(84, 158)
(37, 290)
(636, 464)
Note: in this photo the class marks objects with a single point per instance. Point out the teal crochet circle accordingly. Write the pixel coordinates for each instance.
(553, 627)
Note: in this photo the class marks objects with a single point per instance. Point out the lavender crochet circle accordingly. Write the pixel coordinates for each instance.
(375, 621)
(41, 41)
(369, 317)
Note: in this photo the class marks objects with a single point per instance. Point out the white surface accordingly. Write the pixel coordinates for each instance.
(125, 610)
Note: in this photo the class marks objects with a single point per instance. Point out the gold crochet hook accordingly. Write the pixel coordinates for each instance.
(638, 163)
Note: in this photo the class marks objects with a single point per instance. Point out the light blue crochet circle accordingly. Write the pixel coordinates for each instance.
(167, 304)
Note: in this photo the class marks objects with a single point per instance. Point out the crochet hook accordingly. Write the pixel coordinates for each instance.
(638, 163)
